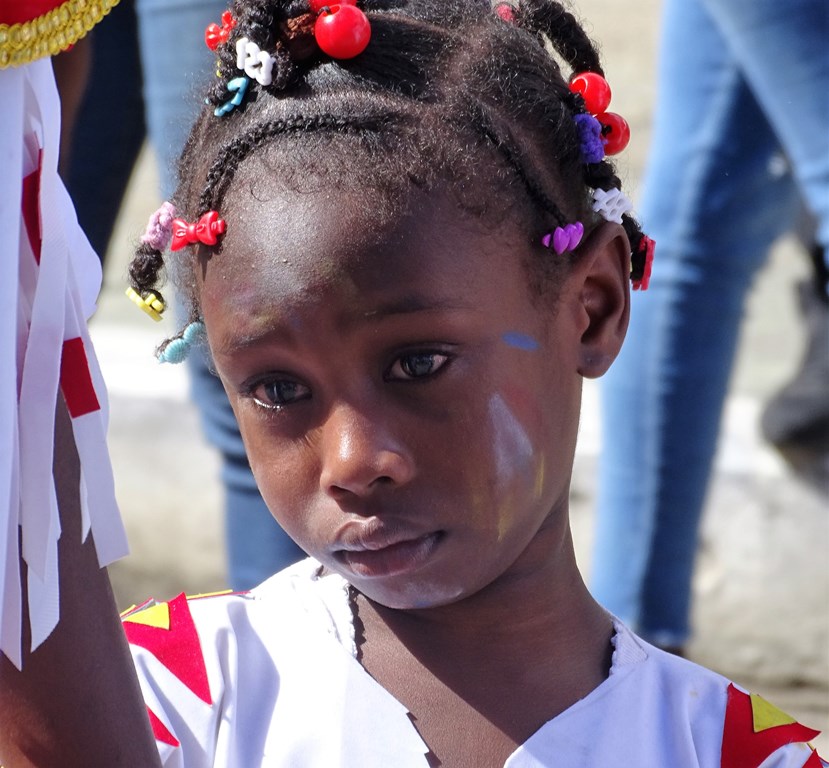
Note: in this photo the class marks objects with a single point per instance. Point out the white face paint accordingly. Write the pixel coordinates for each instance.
(512, 448)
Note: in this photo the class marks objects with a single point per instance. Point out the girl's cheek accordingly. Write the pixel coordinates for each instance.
(522, 402)
(513, 451)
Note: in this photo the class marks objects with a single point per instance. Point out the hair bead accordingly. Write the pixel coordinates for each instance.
(176, 350)
(151, 302)
(342, 31)
(590, 138)
(594, 89)
(159, 227)
(611, 204)
(215, 35)
(563, 239)
(615, 132)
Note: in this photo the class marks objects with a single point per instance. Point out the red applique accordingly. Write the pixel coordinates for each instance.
(30, 204)
(814, 761)
(75, 379)
(742, 746)
(177, 648)
(160, 730)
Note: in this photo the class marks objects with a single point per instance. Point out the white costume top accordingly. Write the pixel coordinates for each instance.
(270, 678)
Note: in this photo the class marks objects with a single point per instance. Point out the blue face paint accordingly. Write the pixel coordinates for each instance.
(520, 341)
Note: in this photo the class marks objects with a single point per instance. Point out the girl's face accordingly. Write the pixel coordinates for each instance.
(408, 405)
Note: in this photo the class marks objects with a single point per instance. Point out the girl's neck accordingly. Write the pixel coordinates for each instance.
(516, 653)
(543, 595)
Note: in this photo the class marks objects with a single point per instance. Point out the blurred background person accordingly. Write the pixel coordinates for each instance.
(739, 82)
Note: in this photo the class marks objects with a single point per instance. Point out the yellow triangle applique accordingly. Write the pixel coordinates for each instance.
(155, 616)
(767, 715)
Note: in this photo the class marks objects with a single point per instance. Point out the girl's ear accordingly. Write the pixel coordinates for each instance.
(601, 289)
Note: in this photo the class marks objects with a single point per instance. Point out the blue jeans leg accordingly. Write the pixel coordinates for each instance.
(177, 65)
(713, 205)
(782, 50)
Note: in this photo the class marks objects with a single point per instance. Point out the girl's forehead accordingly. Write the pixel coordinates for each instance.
(297, 244)
(316, 267)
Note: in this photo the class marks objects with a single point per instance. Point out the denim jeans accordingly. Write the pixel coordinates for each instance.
(739, 81)
(177, 64)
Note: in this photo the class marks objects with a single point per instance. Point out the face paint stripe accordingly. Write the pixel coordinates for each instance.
(520, 341)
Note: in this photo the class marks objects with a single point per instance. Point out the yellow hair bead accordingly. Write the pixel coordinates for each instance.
(151, 303)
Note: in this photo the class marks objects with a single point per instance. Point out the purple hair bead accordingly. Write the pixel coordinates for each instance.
(590, 138)
(160, 227)
(563, 239)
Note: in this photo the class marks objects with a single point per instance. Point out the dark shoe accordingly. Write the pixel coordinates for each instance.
(796, 419)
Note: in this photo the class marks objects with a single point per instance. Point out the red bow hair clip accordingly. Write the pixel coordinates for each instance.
(205, 230)
(215, 35)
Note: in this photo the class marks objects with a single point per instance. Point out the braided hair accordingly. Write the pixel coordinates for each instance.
(443, 85)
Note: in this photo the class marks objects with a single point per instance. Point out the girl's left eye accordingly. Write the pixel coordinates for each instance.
(417, 365)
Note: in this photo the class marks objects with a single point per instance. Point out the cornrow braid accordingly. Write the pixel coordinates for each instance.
(561, 28)
(144, 270)
(261, 22)
(552, 21)
(221, 172)
(449, 86)
(509, 150)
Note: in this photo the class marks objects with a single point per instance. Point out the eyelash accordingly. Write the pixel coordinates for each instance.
(267, 403)
(409, 356)
(400, 363)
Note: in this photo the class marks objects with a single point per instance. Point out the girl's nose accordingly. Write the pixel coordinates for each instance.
(360, 454)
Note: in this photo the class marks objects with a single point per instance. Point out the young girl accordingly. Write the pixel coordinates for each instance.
(397, 227)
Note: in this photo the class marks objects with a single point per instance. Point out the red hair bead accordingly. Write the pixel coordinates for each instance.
(594, 89)
(342, 31)
(505, 12)
(615, 132)
(215, 35)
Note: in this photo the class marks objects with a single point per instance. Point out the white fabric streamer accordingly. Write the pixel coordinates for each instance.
(48, 304)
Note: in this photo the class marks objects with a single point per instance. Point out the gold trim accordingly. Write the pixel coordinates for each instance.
(50, 33)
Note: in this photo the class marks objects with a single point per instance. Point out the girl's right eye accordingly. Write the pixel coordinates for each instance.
(276, 393)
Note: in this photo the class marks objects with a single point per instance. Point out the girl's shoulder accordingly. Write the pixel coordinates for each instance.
(658, 709)
(195, 654)
(300, 600)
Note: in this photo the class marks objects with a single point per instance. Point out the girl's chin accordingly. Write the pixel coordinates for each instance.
(417, 594)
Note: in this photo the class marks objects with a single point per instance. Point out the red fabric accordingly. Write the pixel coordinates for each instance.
(160, 730)
(814, 761)
(177, 648)
(21, 11)
(31, 206)
(742, 747)
(76, 381)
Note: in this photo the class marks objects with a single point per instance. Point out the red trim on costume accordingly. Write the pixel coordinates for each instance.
(30, 205)
(76, 381)
(814, 761)
(21, 11)
(160, 730)
(741, 746)
(177, 648)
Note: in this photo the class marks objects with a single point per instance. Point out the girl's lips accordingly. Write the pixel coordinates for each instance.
(389, 560)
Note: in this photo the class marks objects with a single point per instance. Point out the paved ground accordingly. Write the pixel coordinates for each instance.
(762, 608)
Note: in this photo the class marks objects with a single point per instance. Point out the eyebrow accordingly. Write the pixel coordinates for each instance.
(415, 303)
(410, 304)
